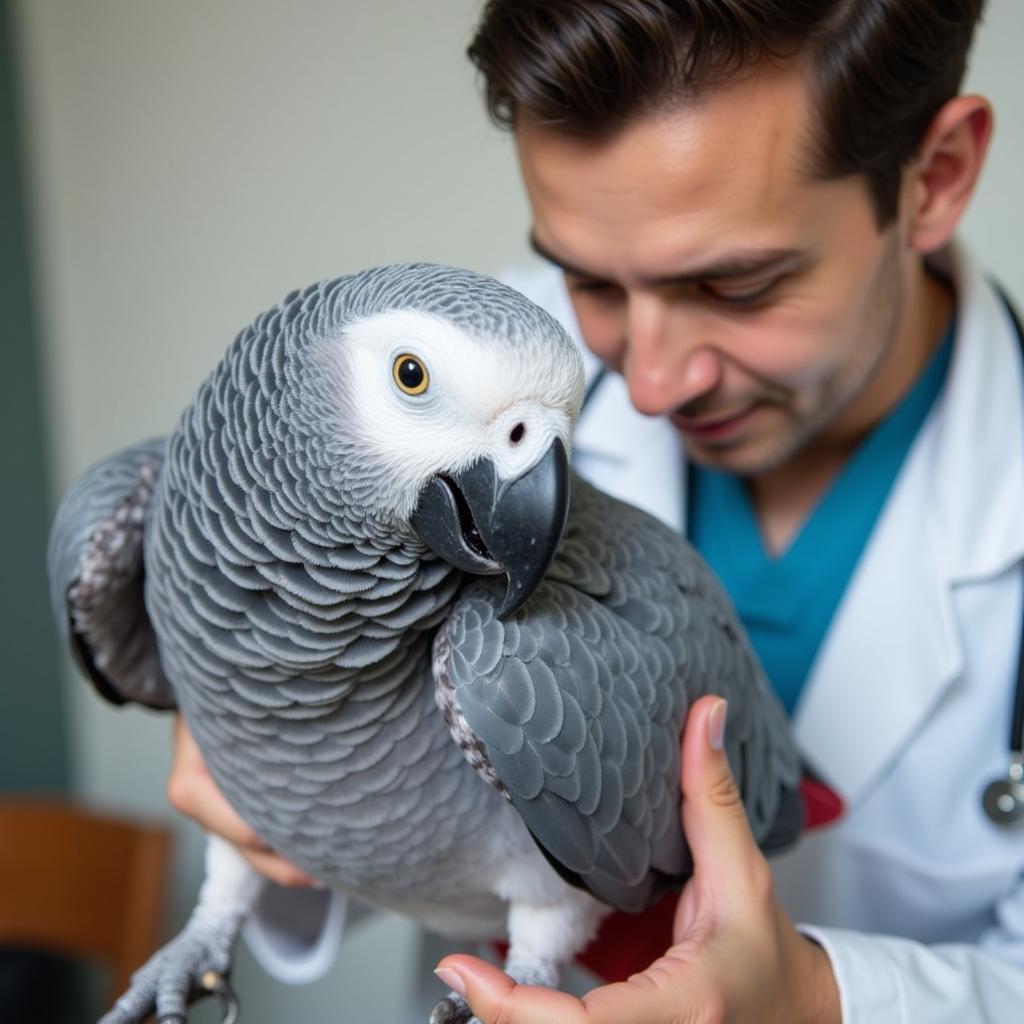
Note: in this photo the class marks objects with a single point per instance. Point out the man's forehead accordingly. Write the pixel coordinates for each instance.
(760, 123)
(736, 163)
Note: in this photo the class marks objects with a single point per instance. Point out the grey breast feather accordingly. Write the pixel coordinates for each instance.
(573, 706)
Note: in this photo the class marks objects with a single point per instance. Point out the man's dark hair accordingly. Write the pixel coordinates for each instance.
(881, 69)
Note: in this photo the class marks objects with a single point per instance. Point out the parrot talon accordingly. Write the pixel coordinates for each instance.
(193, 965)
(450, 1010)
(216, 984)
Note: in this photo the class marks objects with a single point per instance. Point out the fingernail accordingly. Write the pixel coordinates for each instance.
(716, 725)
(452, 979)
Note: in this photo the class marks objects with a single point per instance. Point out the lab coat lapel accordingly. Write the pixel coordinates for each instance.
(635, 458)
(891, 651)
(954, 515)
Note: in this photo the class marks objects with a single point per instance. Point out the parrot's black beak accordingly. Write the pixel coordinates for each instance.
(485, 525)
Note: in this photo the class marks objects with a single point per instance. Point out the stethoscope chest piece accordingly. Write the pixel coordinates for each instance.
(1003, 799)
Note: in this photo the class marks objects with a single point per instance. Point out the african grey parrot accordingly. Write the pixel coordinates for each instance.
(422, 659)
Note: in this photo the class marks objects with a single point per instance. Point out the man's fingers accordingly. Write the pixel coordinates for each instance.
(706, 777)
(663, 994)
(668, 992)
(496, 999)
(714, 818)
(277, 869)
(201, 800)
(192, 791)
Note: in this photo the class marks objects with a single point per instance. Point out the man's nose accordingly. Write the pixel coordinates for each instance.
(666, 365)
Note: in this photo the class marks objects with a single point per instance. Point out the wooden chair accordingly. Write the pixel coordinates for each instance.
(81, 883)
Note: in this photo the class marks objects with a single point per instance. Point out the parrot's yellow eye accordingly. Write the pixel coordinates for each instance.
(410, 374)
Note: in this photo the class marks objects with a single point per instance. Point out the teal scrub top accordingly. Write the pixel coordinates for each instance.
(786, 602)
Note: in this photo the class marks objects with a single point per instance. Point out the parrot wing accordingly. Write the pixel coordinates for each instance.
(573, 707)
(95, 565)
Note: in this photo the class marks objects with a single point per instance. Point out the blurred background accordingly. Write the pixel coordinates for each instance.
(166, 171)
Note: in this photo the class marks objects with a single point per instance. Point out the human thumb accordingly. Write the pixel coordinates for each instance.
(714, 817)
(493, 996)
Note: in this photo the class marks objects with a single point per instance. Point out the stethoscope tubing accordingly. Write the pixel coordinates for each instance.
(1017, 718)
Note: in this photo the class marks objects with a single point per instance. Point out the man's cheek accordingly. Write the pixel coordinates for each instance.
(797, 351)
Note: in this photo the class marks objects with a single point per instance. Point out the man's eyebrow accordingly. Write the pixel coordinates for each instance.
(544, 253)
(734, 265)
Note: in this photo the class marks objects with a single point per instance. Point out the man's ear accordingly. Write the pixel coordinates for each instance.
(943, 176)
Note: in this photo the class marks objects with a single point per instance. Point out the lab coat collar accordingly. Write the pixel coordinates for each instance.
(954, 515)
(635, 458)
(978, 478)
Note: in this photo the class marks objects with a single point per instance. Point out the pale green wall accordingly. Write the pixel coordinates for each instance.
(33, 737)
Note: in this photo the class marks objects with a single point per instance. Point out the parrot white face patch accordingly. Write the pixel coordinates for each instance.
(425, 398)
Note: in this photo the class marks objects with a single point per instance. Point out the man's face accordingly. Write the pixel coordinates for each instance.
(748, 301)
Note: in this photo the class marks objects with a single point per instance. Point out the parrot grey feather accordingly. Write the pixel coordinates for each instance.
(94, 563)
(307, 632)
(294, 618)
(577, 720)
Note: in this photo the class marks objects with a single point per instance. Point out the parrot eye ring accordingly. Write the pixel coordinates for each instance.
(410, 374)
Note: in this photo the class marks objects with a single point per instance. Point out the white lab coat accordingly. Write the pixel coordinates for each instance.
(917, 898)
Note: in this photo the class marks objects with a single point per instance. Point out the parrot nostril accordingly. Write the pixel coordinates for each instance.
(518, 433)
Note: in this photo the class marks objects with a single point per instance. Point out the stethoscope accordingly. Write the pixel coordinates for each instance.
(1002, 799)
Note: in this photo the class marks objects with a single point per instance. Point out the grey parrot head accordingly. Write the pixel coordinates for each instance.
(431, 407)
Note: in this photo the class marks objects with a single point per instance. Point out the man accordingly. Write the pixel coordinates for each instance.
(752, 203)
(744, 198)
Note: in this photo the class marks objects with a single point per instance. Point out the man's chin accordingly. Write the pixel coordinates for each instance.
(732, 463)
(747, 459)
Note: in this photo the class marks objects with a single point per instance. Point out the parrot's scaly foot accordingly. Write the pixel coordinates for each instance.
(453, 1009)
(532, 970)
(192, 965)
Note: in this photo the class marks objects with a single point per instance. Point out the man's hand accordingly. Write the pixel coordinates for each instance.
(192, 791)
(736, 955)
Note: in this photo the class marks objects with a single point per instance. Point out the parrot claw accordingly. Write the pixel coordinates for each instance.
(218, 985)
(453, 1009)
(191, 966)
